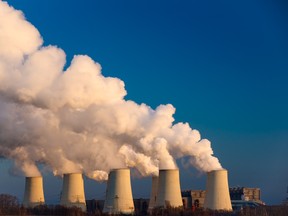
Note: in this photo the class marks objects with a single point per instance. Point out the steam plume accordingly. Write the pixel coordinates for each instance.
(77, 120)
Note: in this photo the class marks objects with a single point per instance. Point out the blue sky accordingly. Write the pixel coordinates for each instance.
(222, 64)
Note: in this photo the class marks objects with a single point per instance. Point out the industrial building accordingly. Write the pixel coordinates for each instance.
(94, 206)
(193, 198)
(243, 196)
(246, 194)
(141, 206)
(186, 199)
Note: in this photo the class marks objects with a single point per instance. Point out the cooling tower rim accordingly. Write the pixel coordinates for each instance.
(218, 170)
(116, 169)
(73, 173)
(164, 170)
(28, 177)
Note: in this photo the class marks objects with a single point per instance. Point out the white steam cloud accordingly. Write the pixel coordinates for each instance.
(77, 120)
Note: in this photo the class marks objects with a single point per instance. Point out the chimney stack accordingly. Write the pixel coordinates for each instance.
(34, 194)
(119, 193)
(217, 191)
(169, 192)
(73, 191)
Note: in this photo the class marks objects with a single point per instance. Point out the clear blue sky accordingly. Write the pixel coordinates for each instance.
(222, 64)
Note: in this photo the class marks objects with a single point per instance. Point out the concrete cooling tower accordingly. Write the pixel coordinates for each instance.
(119, 193)
(169, 192)
(73, 191)
(217, 191)
(34, 194)
(153, 195)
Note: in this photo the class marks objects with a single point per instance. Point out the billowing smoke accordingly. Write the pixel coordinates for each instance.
(77, 120)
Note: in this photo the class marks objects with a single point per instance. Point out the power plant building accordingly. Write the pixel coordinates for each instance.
(240, 196)
(247, 194)
(186, 199)
(193, 198)
(141, 206)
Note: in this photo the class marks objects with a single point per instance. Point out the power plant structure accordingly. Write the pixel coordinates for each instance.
(73, 191)
(168, 191)
(153, 195)
(34, 194)
(119, 193)
(165, 191)
(217, 191)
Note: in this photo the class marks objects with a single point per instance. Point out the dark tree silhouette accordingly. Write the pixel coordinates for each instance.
(9, 205)
(7, 201)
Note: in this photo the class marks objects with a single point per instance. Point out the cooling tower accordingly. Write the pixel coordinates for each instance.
(169, 192)
(119, 193)
(34, 194)
(153, 195)
(217, 191)
(73, 191)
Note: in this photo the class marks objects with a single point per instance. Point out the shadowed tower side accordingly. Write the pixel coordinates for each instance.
(153, 195)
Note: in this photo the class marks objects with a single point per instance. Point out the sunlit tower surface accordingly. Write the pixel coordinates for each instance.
(217, 191)
(73, 191)
(34, 194)
(168, 190)
(119, 197)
